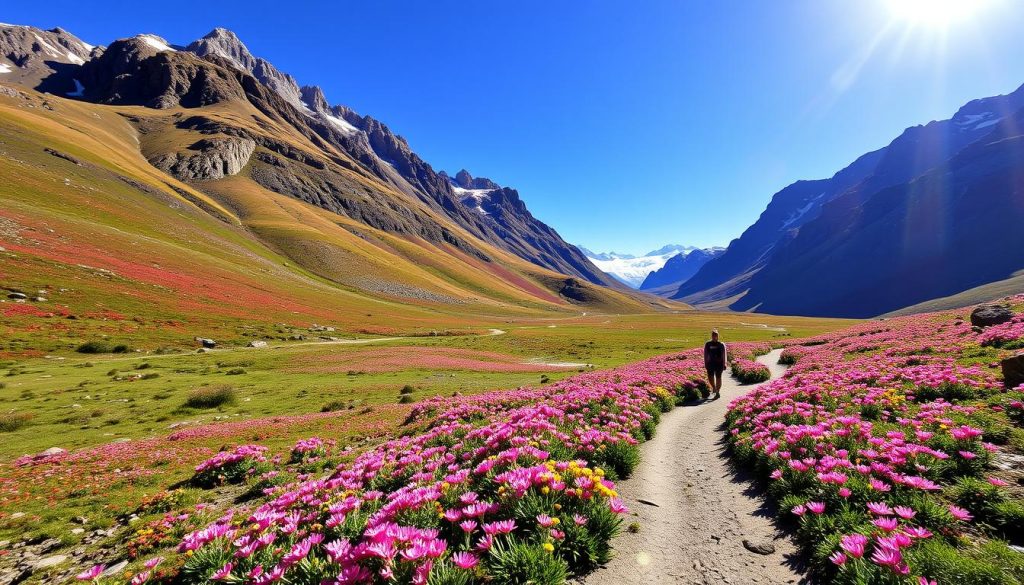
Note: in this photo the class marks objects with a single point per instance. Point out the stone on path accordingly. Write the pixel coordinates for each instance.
(759, 547)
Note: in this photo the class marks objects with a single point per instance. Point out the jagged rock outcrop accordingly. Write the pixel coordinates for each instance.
(209, 158)
(144, 70)
(226, 44)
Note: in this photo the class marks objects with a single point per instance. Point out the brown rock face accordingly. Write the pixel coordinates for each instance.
(1013, 371)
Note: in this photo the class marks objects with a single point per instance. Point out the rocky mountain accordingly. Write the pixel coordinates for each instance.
(900, 220)
(678, 269)
(29, 55)
(148, 70)
(228, 133)
(508, 225)
(632, 270)
(915, 151)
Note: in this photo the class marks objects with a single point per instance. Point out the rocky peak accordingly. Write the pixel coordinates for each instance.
(466, 181)
(223, 43)
(314, 98)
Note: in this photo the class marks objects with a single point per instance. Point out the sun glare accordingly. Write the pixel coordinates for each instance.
(939, 14)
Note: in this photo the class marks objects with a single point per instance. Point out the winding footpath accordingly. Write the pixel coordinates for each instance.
(694, 511)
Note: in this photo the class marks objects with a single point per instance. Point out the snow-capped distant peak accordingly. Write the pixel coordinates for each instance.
(156, 42)
(632, 270)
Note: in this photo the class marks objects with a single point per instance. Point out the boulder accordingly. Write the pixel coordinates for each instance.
(18, 296)
(46, 563)
(988, 315)
(759, 547)
(257, 343)
(1013, 371)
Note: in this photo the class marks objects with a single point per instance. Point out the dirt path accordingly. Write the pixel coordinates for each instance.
(364, 341)
(702, 511)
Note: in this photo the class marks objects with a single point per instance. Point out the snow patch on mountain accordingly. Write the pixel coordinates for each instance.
(473, 198)
(156, 42)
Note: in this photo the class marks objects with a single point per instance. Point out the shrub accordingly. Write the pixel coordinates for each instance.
(619, 457)
(520, 563)
(102, 347)
(149, 376)
(336, 405)
(211, 396)
(94, 347)
(406, 399)
(235, 371)
(946, 564)
(231, 466)
(407, 389)
(750, 372)
(12, 421)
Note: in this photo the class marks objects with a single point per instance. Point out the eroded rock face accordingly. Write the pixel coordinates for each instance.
(988, 315)
(209, 158)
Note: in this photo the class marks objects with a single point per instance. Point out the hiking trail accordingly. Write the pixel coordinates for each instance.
(693, 510)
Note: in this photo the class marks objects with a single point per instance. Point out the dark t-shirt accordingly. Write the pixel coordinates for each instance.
(714, 355)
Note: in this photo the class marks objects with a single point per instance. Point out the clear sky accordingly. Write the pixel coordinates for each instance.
(625, 125)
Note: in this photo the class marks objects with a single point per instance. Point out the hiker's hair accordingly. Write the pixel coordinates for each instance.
(714, 332)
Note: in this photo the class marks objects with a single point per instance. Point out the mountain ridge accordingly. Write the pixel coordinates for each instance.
(738, 279)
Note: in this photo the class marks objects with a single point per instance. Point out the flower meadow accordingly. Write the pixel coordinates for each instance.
(508, 487)
(883, 446)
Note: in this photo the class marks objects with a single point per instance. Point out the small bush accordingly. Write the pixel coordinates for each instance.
(144, 366)
(620, 458)
(149, 376)
(405, 399)
(12, 421)
(336, 405)
(520, 563)
(102, 347)
(407, 389)
(211, 396)
(235, 371)
(94, 347)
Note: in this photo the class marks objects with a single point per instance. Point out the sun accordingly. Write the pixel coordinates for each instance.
(938, 14)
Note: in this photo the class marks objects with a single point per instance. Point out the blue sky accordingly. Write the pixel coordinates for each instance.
(625, 125)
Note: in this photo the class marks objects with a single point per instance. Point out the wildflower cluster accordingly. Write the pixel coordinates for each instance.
(512, 486)
(231, 466)
(879, 443)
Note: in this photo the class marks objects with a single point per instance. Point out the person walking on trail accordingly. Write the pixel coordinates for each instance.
(715, 358)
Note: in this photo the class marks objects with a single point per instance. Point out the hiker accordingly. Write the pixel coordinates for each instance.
(715, 358)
